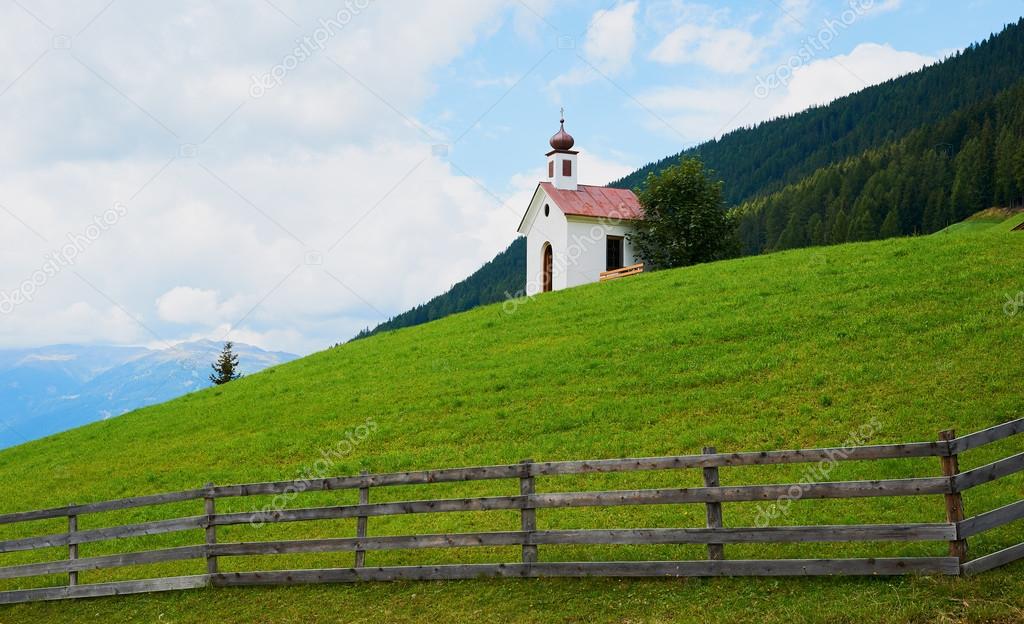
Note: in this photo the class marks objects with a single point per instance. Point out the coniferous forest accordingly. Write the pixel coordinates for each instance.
(909, 156)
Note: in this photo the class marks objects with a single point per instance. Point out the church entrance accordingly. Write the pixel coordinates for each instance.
(548, 261)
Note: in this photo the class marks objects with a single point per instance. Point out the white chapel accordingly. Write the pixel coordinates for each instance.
(575, 232)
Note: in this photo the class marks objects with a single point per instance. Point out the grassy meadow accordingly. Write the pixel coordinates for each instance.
(793, 349)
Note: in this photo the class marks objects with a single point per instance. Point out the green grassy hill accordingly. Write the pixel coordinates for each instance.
(985, 220)
(791, 349)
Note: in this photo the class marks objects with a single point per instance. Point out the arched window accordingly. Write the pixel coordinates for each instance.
(547, 210)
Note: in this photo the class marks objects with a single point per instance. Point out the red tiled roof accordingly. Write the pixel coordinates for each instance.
(596, 201)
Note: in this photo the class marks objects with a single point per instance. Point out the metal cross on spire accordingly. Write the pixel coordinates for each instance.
(562, 112)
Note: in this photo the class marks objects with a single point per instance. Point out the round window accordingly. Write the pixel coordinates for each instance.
(547, 210)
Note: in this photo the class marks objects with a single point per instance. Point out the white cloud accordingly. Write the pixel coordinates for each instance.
(78, 322)
(611, 38)
(886, 6)
(608, 47)
(703, 113)
(699, 114)
(825, 80)
(726, 50)
(221, 243)
(185, 304)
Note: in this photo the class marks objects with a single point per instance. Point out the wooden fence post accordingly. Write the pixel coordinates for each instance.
(528, 514)
(211, 530)
(714, 510)
(72, 549)
(954, 501)
(361, 522)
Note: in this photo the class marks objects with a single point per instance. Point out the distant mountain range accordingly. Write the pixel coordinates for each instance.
(50, 389)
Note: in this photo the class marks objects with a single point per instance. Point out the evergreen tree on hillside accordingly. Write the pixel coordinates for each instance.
(891, 225)
(1005, 182)
(968, 188)
(685, 221)
(225, 369)
(766, 158)
(1018, 170)
(840, 228)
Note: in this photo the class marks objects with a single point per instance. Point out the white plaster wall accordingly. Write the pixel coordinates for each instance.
(585, 249)
(541, 230)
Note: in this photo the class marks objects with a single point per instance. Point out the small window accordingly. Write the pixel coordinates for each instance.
(567, 168)
(547, 210)
(613, 253)
(551, 168)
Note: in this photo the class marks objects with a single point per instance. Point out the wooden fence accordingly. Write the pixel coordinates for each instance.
(956, 529)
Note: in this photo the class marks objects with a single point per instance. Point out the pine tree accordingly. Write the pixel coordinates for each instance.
(840, 228)
(987, 165)
(968, 194)
(1018, 172)
(225, 369)
(891, 225)
(862, 226)
(816, 228)
(1005, 178)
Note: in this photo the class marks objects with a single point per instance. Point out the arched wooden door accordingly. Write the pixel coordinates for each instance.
(548, 261)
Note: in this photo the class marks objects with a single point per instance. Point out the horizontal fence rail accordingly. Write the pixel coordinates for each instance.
(955, 530)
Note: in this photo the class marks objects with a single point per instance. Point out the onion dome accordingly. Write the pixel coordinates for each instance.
(562, 141)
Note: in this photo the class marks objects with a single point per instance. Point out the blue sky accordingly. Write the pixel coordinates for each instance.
(287, 172)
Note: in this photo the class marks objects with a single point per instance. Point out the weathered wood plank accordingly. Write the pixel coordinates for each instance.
(99, 563)
(794, 534)
(713, 511)
(447, 475)
(348, 544)
(992, 519)
(954, 502)
(97, 535)
(512, 471)
(361, 525)
(105, 589)
(995, 560)
(515, 471)
(739, 493)
(745, 493)
(750, 535)
(528, 515)
(210, 507)
(768, 567)
(882, 451)
(989, 472)
(111, 505)
(374, 509)
(72, 549)
(987, 436)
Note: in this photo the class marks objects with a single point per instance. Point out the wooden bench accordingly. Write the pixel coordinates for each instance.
(634, 269)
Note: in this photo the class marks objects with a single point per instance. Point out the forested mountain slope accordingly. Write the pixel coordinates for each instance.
(882, 162)
(753, 161)
(937, 175)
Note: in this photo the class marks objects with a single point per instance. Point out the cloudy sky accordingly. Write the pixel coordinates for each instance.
(286, 172)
